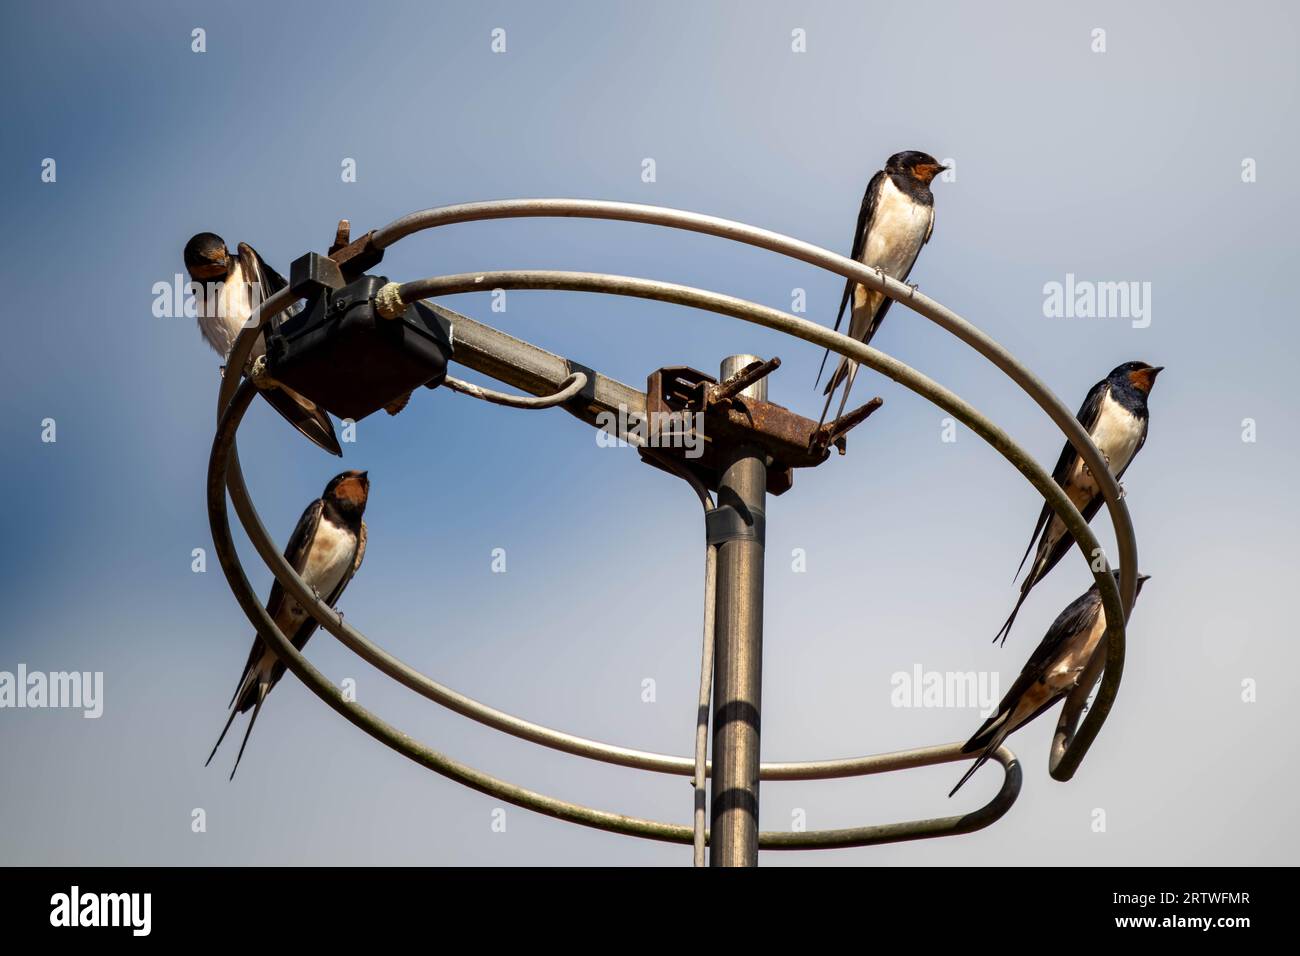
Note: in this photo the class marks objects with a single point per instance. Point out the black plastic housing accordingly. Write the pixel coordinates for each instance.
(343, 356)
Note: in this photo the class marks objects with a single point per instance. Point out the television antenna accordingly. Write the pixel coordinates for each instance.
(755, 446)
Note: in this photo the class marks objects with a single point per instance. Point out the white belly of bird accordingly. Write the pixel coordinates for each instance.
(1116, 433)
(225, 311)
(898, 230)
(329, 558)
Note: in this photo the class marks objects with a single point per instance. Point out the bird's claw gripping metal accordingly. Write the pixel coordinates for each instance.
(1087, 470)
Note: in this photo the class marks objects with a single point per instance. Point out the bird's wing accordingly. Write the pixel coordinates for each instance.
(312, 421)
(295, 552)
(251, 692)
(1088, 511)
(1073, 620)
(269, 282)
(1087, 415)
(1066, 541)
(865, 214)
(309, 625)
(361, 549)
(274, 281)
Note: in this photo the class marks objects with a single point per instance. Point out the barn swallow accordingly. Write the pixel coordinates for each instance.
(326, 549)
(1054, 669)
(895, 221)
(239, 283)
(1115, 417)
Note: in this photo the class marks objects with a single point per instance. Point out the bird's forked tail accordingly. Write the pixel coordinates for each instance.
(1032, 578)
(989, 751)
(262, 689)
(251, 692)
(845, 372)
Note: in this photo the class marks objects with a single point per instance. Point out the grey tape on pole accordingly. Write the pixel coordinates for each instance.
(725, 523)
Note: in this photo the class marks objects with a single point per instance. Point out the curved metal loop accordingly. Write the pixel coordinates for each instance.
(833, 262)
(802, 328)
(223, 469)
(466, 706)
(571, 386)
(823, 258)
(835, 341)
(1118, 603)
(507, 723)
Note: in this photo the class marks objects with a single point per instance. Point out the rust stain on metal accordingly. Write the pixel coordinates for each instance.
(342, 236)
(788, 440)
(356, 257)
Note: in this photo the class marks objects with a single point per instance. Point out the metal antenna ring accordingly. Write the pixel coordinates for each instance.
(224, 471)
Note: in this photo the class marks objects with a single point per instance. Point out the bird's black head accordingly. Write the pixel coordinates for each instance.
(206, 257)
(1142, 579)
(1139, 375)
(348, 492)
(916, 165)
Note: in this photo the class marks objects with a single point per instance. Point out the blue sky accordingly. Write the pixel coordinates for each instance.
(1117, 166)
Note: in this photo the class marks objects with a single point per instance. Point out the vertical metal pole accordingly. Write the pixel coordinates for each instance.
(738, 663)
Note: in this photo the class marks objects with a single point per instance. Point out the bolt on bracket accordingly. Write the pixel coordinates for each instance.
(788, 440)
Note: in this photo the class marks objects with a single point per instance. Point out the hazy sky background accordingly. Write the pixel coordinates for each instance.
(1116, 166)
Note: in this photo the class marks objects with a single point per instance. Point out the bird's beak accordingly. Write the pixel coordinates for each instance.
(1143, 577)
(215, 270)
(1156, 371)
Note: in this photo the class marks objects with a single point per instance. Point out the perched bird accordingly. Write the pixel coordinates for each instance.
(1053, 670)
(1115, 416)
(895, 221)
(234, 286)
(325, 549)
